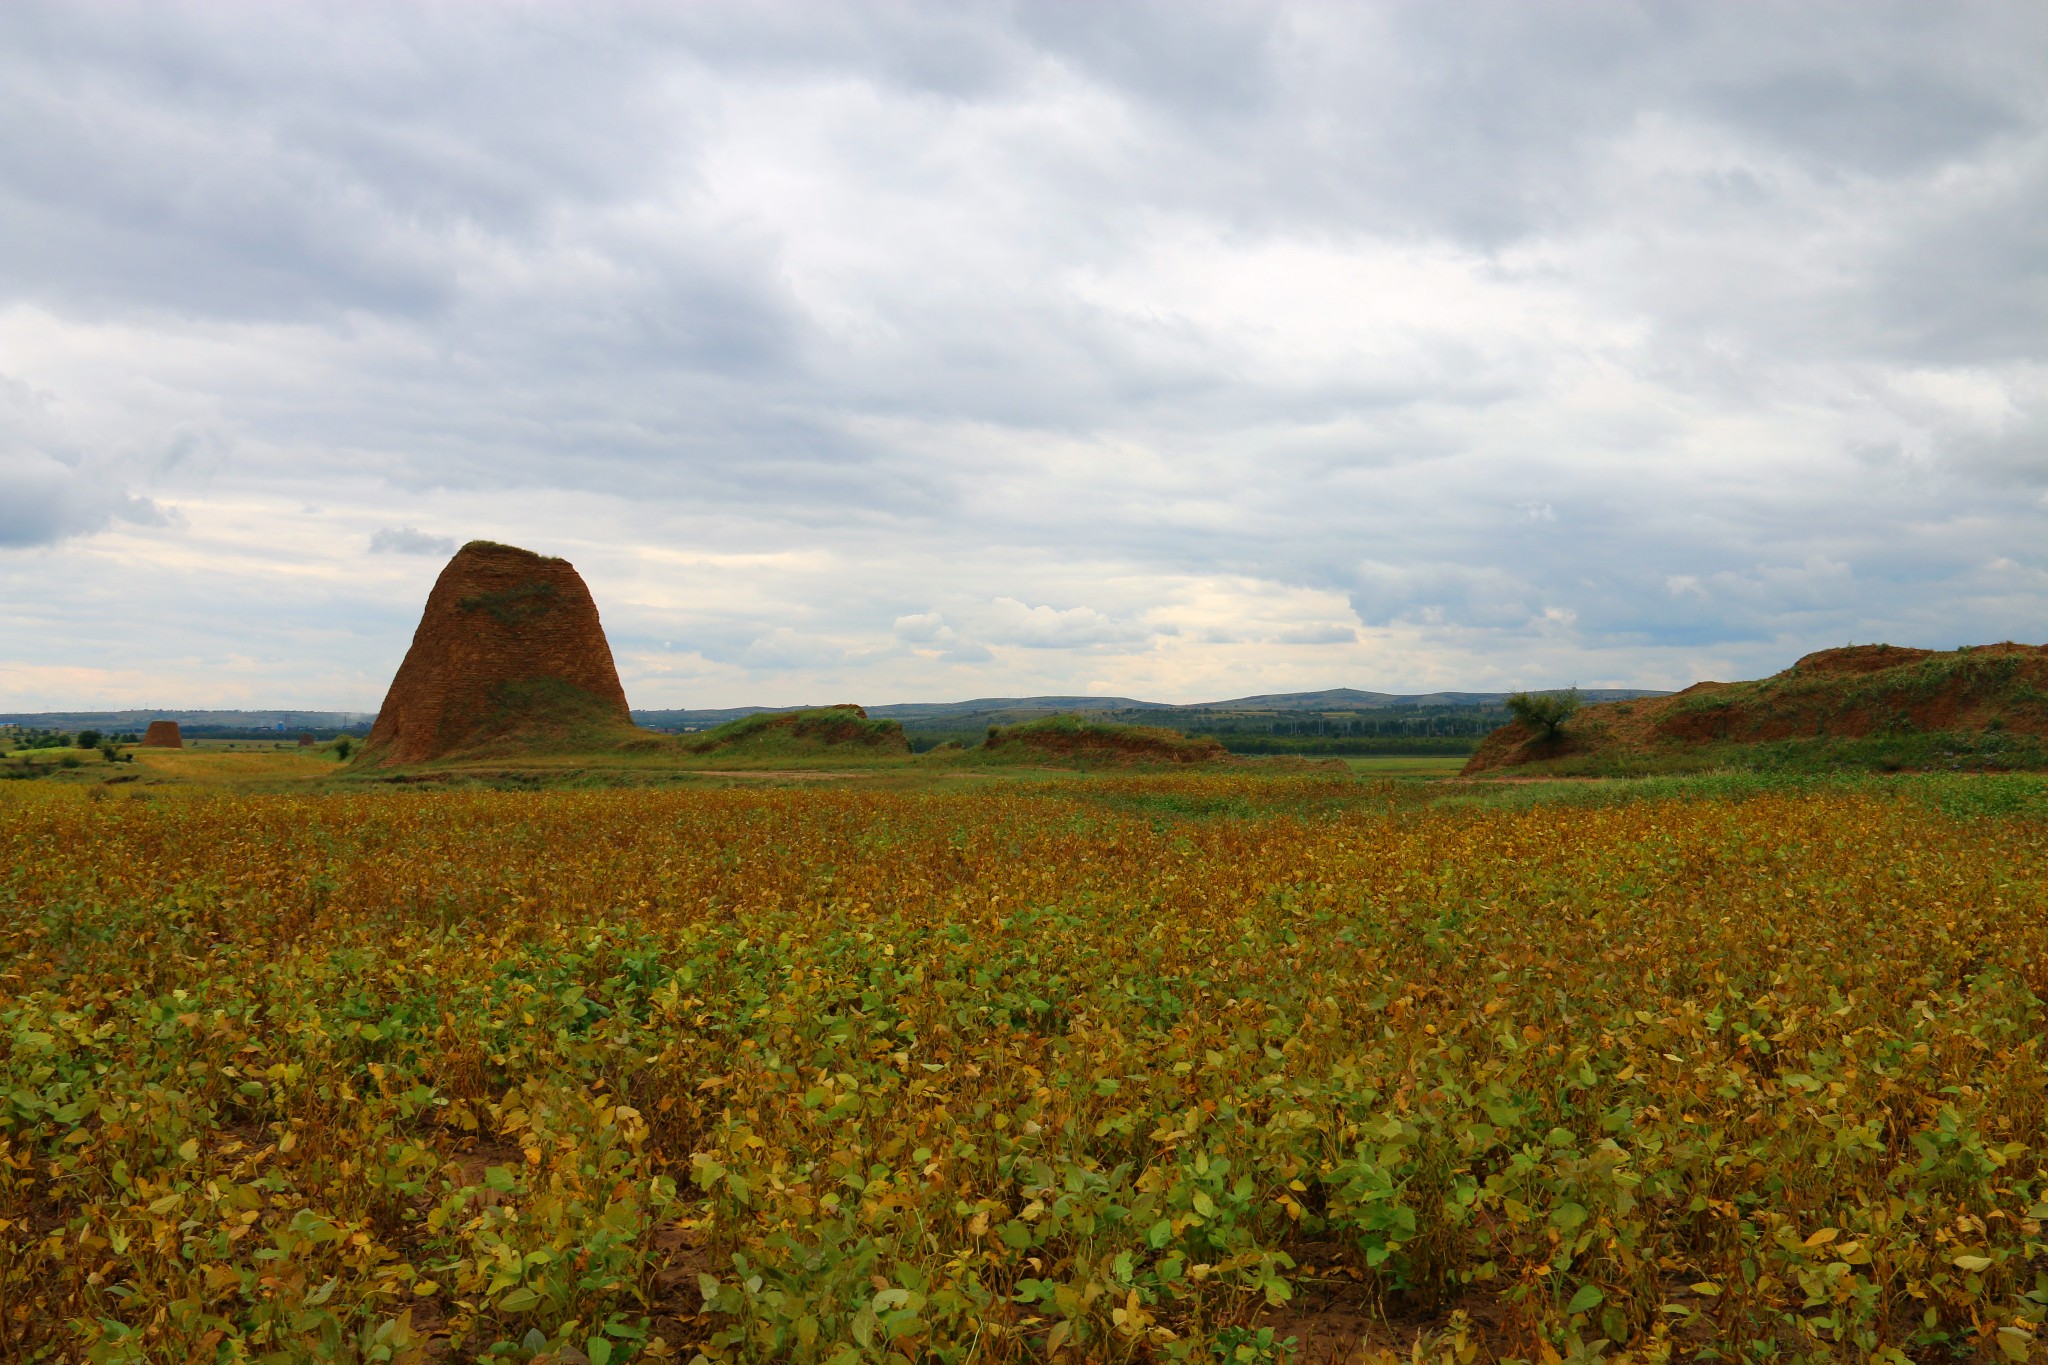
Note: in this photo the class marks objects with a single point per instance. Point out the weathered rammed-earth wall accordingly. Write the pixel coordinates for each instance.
(163, 734)
(509, 647)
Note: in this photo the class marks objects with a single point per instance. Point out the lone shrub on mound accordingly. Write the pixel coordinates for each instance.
(1545, 712)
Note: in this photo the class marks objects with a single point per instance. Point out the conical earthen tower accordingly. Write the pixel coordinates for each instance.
(509, 656)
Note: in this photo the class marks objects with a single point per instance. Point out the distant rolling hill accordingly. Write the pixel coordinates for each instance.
(1336, 721)
(1335, 701)
(197, 724)
(1351, 699)
(1343, 717)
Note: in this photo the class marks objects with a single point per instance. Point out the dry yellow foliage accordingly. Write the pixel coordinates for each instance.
(1124, 1068)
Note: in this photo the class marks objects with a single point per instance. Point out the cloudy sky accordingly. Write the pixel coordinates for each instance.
(897, 351)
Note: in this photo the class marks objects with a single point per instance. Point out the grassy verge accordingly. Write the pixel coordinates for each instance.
(1405, 765)
(1358, 746)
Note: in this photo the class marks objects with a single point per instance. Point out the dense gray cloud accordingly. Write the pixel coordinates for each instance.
(50, 489)
(931, 349)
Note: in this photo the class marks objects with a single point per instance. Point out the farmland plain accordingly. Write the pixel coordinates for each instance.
(1210, 1065)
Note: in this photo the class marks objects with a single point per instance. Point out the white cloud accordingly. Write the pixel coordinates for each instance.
(784, 648)
(1316, 635)
(1046, 627)
(927, 627)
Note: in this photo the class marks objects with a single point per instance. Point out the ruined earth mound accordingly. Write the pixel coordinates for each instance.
(1074, 739)
(1851, 660)
(163, 734)
(1881, 706)
(844, 728)
(509, 657)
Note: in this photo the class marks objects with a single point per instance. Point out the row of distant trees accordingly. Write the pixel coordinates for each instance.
(109, 746)
(18, 737)
(1396, 730)
(1456, 724)
(59, 739)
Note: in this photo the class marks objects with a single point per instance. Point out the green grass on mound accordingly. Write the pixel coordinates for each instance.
(528, 718)
(1858, 708)
(1076, 739)
(842, 732)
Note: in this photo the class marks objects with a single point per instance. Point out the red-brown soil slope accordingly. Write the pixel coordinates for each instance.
(509, 656)
(1861, 692)
(163, 734)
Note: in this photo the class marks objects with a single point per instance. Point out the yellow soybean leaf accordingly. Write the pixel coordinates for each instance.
(1823, 1237)
(1973, 1264)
